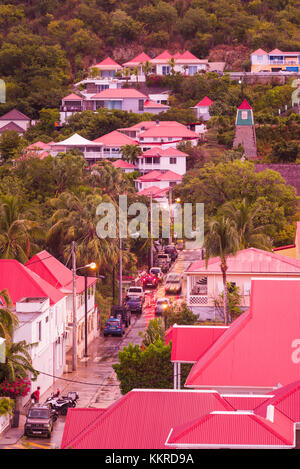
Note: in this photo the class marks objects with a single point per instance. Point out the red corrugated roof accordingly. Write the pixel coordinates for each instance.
(77, 420)
(14, 115)
(251, 261)
(160, 152)
(140, 58)
(72, 97)
(205, 102)
(256, 351)
(55, 273)
(12, 126)
(189, 343)
(120, 93)
(154, 104)
(168, 131)
(147, 417)
(115, 139)
(259, 52)
(162, 57)
(245, 105)
(21, 282)
(123, 164)
(234, 429)
(286, 399)
(157, 175)
(107, 63)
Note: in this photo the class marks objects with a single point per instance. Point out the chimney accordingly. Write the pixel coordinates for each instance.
(270, 413)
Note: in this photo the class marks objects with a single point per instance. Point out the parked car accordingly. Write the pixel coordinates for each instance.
(135, 304)
(163, 261)
(172, 251)
(150, 280)
(162, 305)
(173, 283)
(122, 312)
(157, 272)
(114, 326)
(39, 421)
(136, 291)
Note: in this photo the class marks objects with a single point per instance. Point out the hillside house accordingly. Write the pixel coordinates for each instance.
(14, 120)
(162, 160)
(160, 179)
(275, 61)
(202, 109)
(205, 284)
(186, 63)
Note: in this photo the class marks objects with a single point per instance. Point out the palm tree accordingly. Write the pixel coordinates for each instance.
(147, 68)
(18, 362)
(250, 234)
(131, 153)
(171, 63)
(17, 232)
(221, 240)
(135, 72)
(8, 320)
(126, 74)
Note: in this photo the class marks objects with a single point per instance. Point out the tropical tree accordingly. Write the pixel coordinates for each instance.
(147, 68)
(171, 64)
(221, 240)
(18, 362)
(126, 74)
(17, 233)
(131, 153)
(8, 320)
(250, 234)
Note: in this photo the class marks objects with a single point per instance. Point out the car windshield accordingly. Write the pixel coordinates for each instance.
(135, 289)
(112, 322)
(173, 279)
(162, 302)
(154, 271)
(134, 299)
(38, 414)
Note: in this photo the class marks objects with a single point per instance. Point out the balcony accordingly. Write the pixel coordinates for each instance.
(197, 300)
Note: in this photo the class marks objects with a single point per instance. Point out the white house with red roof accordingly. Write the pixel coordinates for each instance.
(275, 61)
(111, 144)
(160, 179)
(42, 313)
(169, 159)
(52, 271)
(124, 166)
(107, 68)
(202, 108)
(138, 62)
(14, 120)
(205, 284)
(185, 63)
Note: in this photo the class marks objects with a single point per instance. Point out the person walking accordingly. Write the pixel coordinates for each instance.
(35, 396)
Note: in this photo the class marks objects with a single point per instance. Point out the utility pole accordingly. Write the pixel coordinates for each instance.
(74, 308)
(151, 234)
(120, 272)
(171, 215)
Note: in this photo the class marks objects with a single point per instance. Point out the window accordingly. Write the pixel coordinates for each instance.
(141, 104)
(173, 160)
(148, 160)
(156, 160)
(200, 287)
(39, 330)
(244, 115)
(165, 70)
(192, 69)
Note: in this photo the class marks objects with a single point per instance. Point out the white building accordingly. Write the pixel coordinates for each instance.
(169, 159)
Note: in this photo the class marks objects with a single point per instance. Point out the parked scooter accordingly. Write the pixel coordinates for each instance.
(61, 404)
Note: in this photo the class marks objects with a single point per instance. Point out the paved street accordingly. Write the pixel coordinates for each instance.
(94, 379)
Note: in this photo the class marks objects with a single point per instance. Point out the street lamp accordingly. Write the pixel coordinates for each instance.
(92, 266)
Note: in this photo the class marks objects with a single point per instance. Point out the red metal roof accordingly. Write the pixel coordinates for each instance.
(115, 139)
(245, 105)
(107, 64)
(56, 273)
(21, 282)
(14, 115)
(160, 152)
(170, 131)
(157, 175)
(259, 52)
(139, 59)
(77, 420)
(120, 93)
(286, 399)
(154, 104)
(146, 416)
(123, 164)
(12, 126)
(234, 429)
(162, 57)
(258, 350)
(205, 102)
(72, 97)
(190, 342)
(251, 261)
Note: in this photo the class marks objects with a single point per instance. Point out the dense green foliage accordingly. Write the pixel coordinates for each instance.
(46, 45)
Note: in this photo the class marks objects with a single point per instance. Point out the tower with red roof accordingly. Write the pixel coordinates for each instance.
(245, 130)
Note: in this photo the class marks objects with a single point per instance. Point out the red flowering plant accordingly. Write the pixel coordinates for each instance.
(18, 388)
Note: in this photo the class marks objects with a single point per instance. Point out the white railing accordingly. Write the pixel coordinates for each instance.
(197, 300)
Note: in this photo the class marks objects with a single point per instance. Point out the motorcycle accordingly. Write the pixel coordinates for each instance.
(61, 404)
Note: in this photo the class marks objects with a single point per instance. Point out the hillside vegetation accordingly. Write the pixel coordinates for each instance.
(45, 45)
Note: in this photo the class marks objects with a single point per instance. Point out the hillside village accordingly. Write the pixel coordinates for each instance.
(199, 327)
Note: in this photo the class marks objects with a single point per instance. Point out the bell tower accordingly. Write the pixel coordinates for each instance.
(245, 130)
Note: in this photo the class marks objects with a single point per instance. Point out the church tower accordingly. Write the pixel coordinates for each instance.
(245, 130)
